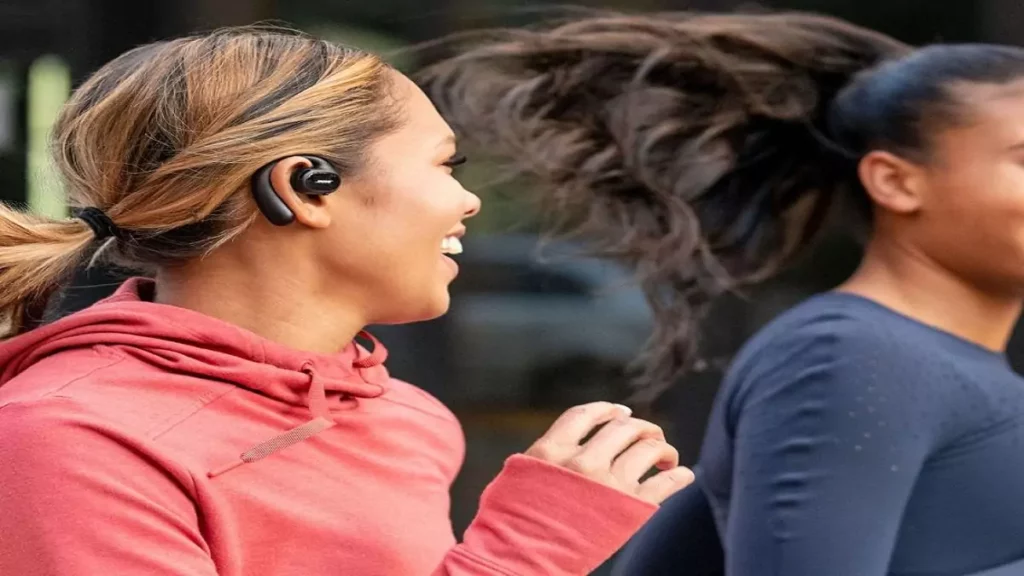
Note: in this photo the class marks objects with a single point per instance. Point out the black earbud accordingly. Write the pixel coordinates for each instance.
(319, 179)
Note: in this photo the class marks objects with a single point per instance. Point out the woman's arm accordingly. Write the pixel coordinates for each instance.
(680, 539)
(566, 506)
(536, 518)
(78, 501)
(829, 435)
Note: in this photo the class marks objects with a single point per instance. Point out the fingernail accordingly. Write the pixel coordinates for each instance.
(625, 409)
(682, 474)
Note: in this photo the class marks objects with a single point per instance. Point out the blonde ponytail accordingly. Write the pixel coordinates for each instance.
(36, 253)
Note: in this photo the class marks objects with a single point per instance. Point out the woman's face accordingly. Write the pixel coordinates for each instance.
(393, 222)
(970, 219)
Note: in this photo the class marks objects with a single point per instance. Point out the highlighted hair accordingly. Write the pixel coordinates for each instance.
(165, 138)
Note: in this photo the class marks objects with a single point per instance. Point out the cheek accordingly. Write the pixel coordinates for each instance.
(984, 220)
(1012, 215)
(1001, 205)
(410, 222)
(367, 236)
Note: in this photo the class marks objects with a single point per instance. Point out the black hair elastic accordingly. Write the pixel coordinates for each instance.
(101, 224)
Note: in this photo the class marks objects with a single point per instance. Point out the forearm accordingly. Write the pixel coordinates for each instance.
(540, 519)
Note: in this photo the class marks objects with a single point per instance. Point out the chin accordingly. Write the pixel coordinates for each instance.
(432, 310)
(439, 307)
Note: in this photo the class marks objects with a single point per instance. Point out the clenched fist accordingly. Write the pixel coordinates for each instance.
(618, 455)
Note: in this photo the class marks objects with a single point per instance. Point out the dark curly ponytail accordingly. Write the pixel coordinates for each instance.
(692, 147)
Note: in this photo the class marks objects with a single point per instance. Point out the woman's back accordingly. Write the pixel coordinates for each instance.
(849, 439)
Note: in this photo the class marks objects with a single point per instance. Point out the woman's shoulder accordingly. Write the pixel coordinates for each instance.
(827, 323)
(844, 346)
(111, 389)
(838, 324)
(846, 350)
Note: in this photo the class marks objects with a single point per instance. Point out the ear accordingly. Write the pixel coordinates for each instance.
(309, 210)
(893, 183)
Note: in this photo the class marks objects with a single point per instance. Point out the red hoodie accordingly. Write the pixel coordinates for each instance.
(138, 438)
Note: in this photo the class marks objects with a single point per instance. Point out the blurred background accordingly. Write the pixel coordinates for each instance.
(532, 331)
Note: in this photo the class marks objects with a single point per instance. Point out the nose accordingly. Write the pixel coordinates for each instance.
(473, 204)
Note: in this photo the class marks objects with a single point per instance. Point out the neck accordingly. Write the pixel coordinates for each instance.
(278, 310)
(912, 284)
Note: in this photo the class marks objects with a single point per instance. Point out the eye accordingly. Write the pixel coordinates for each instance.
(456, 160)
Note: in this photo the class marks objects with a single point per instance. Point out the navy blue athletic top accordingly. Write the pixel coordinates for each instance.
(850, 440)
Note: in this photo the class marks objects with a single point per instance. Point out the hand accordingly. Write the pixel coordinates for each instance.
(618, 455)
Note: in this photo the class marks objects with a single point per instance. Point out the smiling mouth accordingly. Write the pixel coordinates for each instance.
(451, 245)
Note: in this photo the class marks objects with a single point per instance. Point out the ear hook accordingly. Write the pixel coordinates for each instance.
(319, 179)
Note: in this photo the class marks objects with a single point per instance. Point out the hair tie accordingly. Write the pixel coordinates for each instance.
(100, 224)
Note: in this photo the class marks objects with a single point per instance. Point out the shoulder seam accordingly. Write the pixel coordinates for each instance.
(75, 380)
(159, 429)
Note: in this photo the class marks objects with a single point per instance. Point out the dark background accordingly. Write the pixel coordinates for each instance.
(524, 340)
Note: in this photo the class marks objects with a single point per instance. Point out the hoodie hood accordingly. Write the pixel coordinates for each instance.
(184, 341)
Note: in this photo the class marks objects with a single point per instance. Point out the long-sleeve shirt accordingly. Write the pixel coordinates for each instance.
(849, 440)
(144, 439)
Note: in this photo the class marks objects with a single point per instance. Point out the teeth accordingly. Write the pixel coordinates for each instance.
(451, 245)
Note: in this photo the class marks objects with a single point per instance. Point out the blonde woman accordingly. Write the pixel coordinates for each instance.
(220, 418)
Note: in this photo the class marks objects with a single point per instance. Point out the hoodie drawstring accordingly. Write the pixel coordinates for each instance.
(316, 401)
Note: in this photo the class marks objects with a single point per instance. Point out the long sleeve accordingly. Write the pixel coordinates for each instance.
(680, 539)
(537, 519)
(825, 453)
(78, 502)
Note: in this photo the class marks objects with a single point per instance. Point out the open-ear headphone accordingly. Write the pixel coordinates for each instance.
(319, 179)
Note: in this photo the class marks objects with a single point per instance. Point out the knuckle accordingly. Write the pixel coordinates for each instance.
(543, 450)
(577, 411)
(651, 429)
(666, 447)
(623, 423)
(582, 465)
(626, 425)
(653, 443)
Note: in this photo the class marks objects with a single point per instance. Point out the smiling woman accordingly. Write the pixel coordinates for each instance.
(220, 418)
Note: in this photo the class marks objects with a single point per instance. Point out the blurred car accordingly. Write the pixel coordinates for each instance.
(541, 327)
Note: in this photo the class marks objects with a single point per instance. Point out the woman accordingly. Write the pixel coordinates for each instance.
(220, 418)
(876, 429)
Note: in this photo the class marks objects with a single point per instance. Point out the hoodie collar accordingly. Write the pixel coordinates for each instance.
(182, 340)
